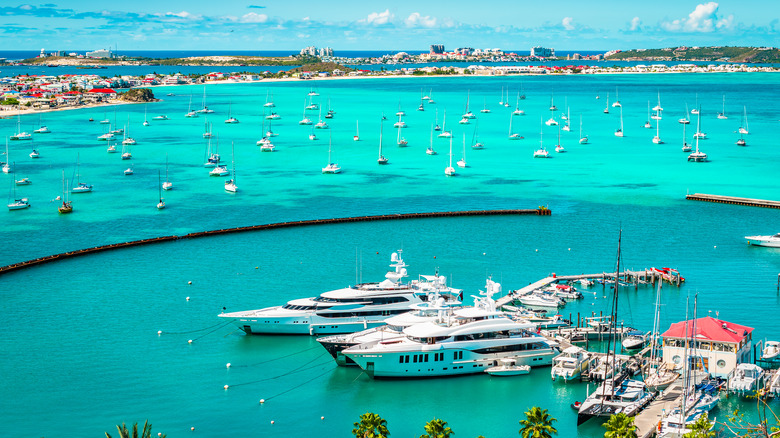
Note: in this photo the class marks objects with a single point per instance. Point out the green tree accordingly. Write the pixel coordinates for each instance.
(437, 428)
(537, 424)
(702, 428)
(620, 426)
(370, 425)
(146, 432)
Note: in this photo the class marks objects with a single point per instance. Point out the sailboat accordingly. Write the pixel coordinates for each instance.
(190, 112)
(606, 108)
(484, 109)
(400, 123)
(329, 114)
(20, 135)
(161, 203)
(436, 122)
(619, 132)
(381, 159)
(305, 120)
(126, 154)
(430, 97)
(744, 129)
(657, 138)
(506, 102)
(111, 149)
(686, 147)
(400, 112)
(699, 133)
(658, 110)
(43, 129)
(617, 99)
(356, 137)
(66, 206)
(312, 135)
(212, 157)
(513, 136)
(401, 141)
(656, 376)
(80, 186)
(421, 107)
(207, 130)
(684, 120)
(722, 114)
(129, 170)
(450, 171)
(468, 114)
(230, 185)
(219, 169)
(321, 124)
(551, 121)
(695, 109)
(558, 147)
(541, 152)
(741, 141)
(331, 167)
(105, 120)
(552, 105)
(167, 185)
(583, 138)
(462, 161)
(648, 125)
(146, 122)
(7, 164)
(205, 109)
(697, 156)
(444, 132)
(430, 150)
(501, 99)
(126, 139)
(518, 111)
(269, 103)
(15, 203)
(617, 393)
(475, 144)
(231, 119)
(313, 93)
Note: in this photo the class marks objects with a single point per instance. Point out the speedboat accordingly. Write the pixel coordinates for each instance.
(345, 310)
(564, 291)
(23, 182)
(570, 364)
(106, 137)
(771, 241)
(634, 340)
(129, 171)
(615, 396)
(267, 147)
(472, 340)
(540, 300)
(745, 378)
(770, 352)
(508, 367)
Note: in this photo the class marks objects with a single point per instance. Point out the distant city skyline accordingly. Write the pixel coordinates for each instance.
(404, 25)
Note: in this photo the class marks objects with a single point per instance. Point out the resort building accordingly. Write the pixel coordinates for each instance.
(713, 345)
(542, 52)
(437, 49)
(100, 53)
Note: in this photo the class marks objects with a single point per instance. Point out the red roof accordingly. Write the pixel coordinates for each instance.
(72, 92)
(709, 328)
(102, 90)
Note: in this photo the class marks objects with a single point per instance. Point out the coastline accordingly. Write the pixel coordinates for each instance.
(7, 114)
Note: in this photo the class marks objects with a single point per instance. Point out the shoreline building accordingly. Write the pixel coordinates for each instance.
(716, 346)
(437, 49)
(100, 53)
(314, 51)
(542, 52)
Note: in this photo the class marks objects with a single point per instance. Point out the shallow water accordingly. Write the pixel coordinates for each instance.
(81, 335)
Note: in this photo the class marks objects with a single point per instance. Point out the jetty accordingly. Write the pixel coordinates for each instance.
(733, 200)
(541, 211)
(646, 421)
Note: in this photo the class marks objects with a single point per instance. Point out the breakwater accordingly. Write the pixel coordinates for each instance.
(733, 200)
(541, 211)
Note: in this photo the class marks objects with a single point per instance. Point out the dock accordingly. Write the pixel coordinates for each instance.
(646, 422)
(733, 200)
(541, 211)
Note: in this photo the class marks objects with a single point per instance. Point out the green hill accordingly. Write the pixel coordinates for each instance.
(717, 53)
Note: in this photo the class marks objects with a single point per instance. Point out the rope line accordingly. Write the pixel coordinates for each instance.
(221, 324)
(293, 371)
(302, 384)
(275, 359)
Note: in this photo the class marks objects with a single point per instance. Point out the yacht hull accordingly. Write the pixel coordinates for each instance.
(302, 325)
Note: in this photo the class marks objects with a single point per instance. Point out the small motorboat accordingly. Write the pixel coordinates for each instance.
(576, 405)
(508, 367)
(634, 340)
(771, 350)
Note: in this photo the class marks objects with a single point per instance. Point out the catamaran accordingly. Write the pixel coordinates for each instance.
(20, 135)
(450, 171)
(80, 187)
(558, 147)
(583, 138)
(541, 152)
(697, 156)
(462, 161)
(722, 114)
(230, 185)
(331, 167)
(167, 185)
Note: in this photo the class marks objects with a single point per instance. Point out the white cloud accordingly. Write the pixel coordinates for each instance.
(703, 19)
(254, 18)
(568, 23)
(379, 18)
(636, 24)
(417, 20)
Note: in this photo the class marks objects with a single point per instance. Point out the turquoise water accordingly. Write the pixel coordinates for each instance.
(81, 348)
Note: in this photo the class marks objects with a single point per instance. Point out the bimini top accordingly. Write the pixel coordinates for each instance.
(709, 328)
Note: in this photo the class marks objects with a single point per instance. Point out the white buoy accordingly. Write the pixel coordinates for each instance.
(715, 246)
(483, 253)
(189, 282)
(188, 298)
(569, 249)
(159, 433)
(192, 428)
(322, 418)
(228, 365)
(262, 400)
(226, 386)
(272, 421)
(190, 341)
(159, 332)
(537, 250)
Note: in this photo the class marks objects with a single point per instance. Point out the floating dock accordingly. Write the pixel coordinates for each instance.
(733, 200)
(541, 211)
(646, 421)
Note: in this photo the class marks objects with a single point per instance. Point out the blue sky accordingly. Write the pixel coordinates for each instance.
(397, 25)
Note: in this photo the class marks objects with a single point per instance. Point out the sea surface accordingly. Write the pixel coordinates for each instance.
(80, 346)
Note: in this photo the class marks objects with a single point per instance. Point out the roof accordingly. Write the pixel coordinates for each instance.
(102, 90)
(709, 328)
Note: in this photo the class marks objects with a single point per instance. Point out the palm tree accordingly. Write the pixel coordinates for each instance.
(702, 428)
(437, 429)
(146, 432)
(370, 425)
(537, 424)
(620, 426)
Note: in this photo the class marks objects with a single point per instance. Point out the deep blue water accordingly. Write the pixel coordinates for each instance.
(80, 337)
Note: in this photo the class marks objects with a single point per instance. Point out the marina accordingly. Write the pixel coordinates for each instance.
(467, 228)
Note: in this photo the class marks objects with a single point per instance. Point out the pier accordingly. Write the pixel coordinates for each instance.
(646, 421)
(541, 211)
(733, 200)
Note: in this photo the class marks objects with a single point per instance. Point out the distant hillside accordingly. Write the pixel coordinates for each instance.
(727, 54)
(320, 66)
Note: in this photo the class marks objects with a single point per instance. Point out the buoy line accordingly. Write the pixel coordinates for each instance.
(304, 383)
(276, 358)
(293, 371)
(222, 324)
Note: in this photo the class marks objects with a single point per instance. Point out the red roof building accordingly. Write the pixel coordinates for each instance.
(102, 91)
(711, 329)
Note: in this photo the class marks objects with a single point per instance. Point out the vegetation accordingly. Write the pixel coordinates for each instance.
(437, 428)
(10, 101)
(725, 53)
(768, 425)
(537, 424)
(320, 66)
(702, 428)
(205, 60)
(146, 432)
(138, 95)
(370, 425)
(620, 426)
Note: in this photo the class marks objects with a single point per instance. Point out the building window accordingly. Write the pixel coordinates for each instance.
(721, 363)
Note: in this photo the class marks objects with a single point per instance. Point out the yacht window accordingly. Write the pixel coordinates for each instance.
(426, 358)
(415, 358)
(400, 359)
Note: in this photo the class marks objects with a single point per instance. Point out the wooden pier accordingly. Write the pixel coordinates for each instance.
(733, 200)
(646, 421)
(541, 211)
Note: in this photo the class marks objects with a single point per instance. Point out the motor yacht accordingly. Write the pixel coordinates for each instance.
(539, 299)
(346, 310)
(771, 241)
(745, 378)
(634, 340)
(508, 367)
(771, 350)
(570, 364)
(472, 340)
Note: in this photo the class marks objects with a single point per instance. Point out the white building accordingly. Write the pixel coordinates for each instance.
(714, 345)
(100, 53)
(542, 52)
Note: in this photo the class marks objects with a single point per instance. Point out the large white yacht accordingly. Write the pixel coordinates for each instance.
(772, 241)
(472, 340)
(437, 307)
(346, 310)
